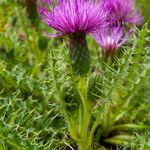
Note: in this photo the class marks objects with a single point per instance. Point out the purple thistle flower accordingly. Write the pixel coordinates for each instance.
(111, 39)
(72, 16)
(122, 12)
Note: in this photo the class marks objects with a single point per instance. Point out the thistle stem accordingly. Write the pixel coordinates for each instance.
(82, 146)
(85, 116)
(79, 53)
(80, 62)
(81, 131)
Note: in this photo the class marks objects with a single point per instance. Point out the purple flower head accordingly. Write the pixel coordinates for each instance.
(72, 16)
(111, 39)
(122, 11)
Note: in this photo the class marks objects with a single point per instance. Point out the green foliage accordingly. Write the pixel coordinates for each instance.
(145, 5)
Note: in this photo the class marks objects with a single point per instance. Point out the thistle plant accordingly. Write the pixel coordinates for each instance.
(87, 88)
(75, 19)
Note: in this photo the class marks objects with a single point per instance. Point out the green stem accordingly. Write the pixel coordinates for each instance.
(79, 64)
(79, 126)
(108, 120)
(90, 137)
(72, 123)
(82, 146)
(85, 116)
(79, 54)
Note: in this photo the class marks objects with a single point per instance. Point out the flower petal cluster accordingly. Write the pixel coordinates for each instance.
(122, 12)
(107, 20)
(111, 39)
(72, 16)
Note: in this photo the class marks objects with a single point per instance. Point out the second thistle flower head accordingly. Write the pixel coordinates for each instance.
(72, 16)
(111, 39)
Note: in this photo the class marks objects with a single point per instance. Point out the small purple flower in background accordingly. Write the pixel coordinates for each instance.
(111, 39)
(122, 12)
(72, 16)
